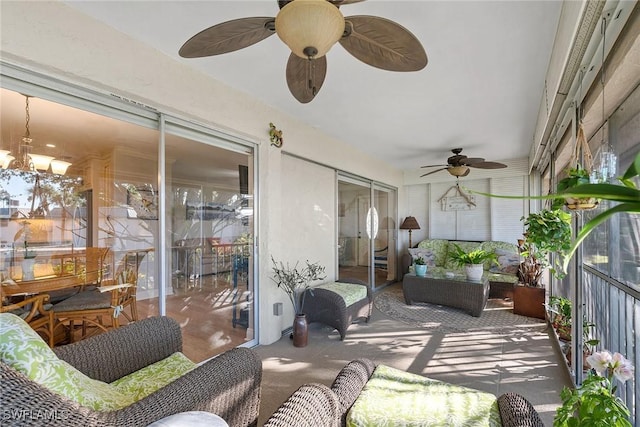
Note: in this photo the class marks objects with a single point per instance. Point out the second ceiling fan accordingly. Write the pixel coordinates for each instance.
(459, 165)
(310, 28)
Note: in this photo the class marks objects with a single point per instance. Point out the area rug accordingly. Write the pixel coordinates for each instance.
(497, 316)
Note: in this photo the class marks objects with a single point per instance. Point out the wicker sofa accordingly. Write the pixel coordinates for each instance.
(228, 385)
(502, 277)
(316, 405)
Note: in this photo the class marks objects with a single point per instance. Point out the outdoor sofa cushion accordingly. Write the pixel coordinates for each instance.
(392, 397)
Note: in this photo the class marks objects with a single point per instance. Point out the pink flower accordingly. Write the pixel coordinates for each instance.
(600, 361)
(622, 368)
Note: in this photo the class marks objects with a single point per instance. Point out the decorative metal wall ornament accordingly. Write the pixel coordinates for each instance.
(275, 136)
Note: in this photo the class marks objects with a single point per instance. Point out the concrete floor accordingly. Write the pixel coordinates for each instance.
(522, 362)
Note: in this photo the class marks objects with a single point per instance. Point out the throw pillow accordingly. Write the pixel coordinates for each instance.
(427, 255)
(25, 351)
(508, 262)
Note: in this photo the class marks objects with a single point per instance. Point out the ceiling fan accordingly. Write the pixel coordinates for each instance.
(310, 28)
(459, 165)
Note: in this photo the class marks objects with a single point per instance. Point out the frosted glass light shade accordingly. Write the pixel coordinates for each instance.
(59, 167)
(309, 23)
(458, 170)
(40, 162)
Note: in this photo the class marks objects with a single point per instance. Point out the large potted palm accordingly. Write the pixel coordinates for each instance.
(546, 231)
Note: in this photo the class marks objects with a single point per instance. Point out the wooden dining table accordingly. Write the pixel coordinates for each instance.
(62, 271)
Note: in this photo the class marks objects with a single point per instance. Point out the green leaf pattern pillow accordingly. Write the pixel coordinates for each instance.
(25, 351)
(397, 398)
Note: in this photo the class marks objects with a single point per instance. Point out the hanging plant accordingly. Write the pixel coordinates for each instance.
(578, 174)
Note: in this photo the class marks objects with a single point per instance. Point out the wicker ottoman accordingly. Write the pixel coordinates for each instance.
(328, 307)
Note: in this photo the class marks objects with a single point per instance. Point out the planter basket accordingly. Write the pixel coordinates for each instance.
(581, 144)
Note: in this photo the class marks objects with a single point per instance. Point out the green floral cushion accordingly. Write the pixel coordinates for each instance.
(397, 398)
(496, 246)
(439, 248)
(23, 349)
(503, 278)
(465, 246)
(350, 292)
(153, 377)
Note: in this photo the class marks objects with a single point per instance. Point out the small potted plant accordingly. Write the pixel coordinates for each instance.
(28, 263)
(472, 261)
(295, 281)
(560, 316)
(420, 266)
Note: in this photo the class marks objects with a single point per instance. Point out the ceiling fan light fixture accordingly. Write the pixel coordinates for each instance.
(458, 170)
(308, 25)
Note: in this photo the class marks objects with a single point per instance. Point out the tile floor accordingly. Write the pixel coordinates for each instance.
(522, 362)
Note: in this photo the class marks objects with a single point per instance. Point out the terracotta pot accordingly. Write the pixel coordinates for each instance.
(300, 330)
(529, 301)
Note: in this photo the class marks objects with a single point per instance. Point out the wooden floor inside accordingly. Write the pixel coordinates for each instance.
(205, 310)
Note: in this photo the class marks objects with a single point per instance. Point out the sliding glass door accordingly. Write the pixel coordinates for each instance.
(366, 232)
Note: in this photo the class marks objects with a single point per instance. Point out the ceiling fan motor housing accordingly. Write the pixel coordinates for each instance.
(310, 25)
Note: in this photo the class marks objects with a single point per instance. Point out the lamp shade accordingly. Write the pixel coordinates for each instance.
(3, 155)
(410, 223)
(458, 170)
(40, 162)
(59, 167)
(7, 161)
(303, 24)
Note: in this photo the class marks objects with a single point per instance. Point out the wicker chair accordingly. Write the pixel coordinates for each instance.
(515, 410)
(32, 310)
(311, 405)
(228, 385)
(325, 306)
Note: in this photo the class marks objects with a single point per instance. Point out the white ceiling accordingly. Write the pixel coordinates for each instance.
(480, 90)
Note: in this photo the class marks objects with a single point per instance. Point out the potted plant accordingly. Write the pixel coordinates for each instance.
(420, 266)
(28, 263)
(560, 316)
(575, 176)
(472, 261)
(295, 281)
(546, 231)
(594, 403)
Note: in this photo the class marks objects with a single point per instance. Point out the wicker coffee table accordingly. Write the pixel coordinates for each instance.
(455, 291)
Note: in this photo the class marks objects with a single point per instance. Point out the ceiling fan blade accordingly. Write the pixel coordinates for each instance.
(343, 2)
(432, 172)
(305, 76)
(383, 43)
(433, 166)
(488, 165)
(471, 160)
(228, 37)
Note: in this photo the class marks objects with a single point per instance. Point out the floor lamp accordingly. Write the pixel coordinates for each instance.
(410, 223)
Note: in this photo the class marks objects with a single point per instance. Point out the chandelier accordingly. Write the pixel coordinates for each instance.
(25, 159)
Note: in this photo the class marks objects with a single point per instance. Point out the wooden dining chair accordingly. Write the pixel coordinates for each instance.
(99, 308)
(32, 310)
